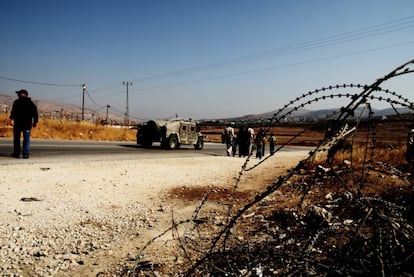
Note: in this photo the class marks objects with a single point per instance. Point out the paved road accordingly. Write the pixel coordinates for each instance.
(46, 150)
(65, 149)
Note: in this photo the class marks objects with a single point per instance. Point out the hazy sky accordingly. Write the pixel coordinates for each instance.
(200, 58)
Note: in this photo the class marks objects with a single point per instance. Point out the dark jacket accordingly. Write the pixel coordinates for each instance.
(24, 113)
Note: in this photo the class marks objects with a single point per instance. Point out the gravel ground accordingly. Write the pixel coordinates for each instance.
(83, 217)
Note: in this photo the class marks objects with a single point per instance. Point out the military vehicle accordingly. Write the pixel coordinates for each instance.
(170, 133)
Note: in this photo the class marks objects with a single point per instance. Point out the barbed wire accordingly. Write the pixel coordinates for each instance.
(347, 233)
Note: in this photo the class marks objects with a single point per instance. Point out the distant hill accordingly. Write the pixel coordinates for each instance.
(6, 101)
(53, 109)
(58, 110)
(305, 114)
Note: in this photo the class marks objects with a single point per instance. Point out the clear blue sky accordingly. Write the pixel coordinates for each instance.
(200, 58)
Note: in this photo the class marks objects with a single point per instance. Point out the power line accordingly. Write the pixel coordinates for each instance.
(363, 33)
(93, 101)
(258, 70)
(275, 67)
(40, 83)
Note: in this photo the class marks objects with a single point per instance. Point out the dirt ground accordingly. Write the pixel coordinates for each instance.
(87, 218)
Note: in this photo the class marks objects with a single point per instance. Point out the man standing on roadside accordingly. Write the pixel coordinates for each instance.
(272, 143)
(23, 117)
(228, 136)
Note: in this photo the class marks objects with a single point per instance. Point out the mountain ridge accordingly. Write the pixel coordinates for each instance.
(50, 107)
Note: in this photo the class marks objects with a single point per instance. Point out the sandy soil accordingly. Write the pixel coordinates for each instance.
(84, 217)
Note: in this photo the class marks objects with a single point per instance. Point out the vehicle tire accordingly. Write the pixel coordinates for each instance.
(199, 144)
(173, 142)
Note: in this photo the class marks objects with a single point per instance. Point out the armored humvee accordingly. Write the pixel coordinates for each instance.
(170, 133)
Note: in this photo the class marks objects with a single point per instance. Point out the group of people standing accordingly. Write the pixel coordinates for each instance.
(246, 141)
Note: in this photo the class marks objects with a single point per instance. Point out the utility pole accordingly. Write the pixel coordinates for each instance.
(127, 84)
(83, 100)
(107, 107)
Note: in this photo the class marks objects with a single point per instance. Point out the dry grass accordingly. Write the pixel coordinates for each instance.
(60, 129)
(276, 231)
